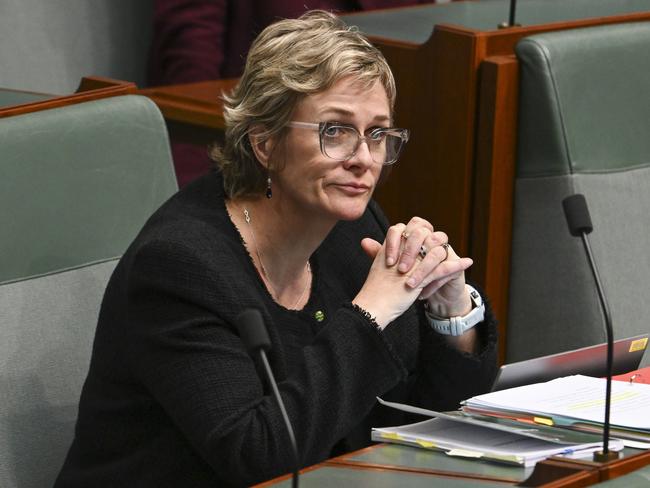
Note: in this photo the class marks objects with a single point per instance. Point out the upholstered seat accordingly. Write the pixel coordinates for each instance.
(77, 184)
(584, 127)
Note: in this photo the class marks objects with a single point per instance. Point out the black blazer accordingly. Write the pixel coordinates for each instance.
(172, 397)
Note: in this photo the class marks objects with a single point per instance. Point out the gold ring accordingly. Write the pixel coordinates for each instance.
(405, 235)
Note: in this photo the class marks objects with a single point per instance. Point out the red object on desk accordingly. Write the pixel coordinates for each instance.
(639, 376)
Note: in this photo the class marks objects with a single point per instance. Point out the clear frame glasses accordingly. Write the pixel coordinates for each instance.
(341, 142)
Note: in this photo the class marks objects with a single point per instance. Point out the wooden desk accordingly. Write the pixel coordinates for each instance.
(90, 88)
(559, 472)
(392, 465)
(193, 111)
(10, 97)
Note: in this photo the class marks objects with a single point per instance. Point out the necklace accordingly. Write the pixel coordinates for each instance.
(265, 274)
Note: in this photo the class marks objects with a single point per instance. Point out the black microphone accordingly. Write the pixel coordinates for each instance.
(577, 216)
(256, 338)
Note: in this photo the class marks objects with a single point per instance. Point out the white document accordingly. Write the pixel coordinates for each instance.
(458, 435)
(581, 398)
(465, 440)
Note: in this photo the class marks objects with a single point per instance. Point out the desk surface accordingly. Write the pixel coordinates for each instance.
(197, 104)
(18, 102)
(391, 456)
(330, 475)
(10, 97)
(415, 24)
(394, 465)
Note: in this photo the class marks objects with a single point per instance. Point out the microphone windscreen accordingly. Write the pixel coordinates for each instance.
(577, 214)
(252, 330)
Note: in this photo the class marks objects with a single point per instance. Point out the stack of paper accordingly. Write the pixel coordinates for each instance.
(575, 402)
(525, 424)
(458, 439)
(459, 434)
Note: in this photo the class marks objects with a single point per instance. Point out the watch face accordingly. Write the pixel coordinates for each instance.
(475, 297)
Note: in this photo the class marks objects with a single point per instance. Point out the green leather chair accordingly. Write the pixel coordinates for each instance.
(584, 127)
(77, 184)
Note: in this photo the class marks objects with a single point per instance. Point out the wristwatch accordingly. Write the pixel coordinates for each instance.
(455, 326)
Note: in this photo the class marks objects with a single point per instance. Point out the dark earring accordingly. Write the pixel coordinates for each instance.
(269, 192)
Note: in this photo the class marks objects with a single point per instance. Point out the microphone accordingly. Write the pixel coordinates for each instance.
(256, 338)
(577, 216)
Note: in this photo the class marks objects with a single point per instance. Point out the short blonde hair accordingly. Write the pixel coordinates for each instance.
(289, 60)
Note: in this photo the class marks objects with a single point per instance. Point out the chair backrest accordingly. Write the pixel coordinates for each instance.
(584, 127)
(77, 184)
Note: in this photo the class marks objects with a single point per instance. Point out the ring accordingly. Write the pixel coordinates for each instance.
(423, 252)
(405, 235)
(445, 246)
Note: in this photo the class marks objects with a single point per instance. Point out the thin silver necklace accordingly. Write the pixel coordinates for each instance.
(265, 274)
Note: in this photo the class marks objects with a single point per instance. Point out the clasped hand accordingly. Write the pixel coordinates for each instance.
(413, 262)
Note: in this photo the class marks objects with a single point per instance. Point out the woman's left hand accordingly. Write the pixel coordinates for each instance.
(434, 266)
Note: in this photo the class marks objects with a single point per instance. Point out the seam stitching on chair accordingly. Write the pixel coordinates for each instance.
(628, 169)
(547, 60)
(59, 271)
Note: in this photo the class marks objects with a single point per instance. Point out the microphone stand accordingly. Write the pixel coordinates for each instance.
(513, 7)
(511, 17)
(255, 337)
(577, 215)
(604, 455)
(285, 417)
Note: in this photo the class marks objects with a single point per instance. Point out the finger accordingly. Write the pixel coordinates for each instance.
(371, 247)
(439, 237)
(436, 285)
(416, 222)
(413, 236)
(443, 270)
(424, 274)
(394, 240)
(432, 252)
(451, 253)
(412, 247)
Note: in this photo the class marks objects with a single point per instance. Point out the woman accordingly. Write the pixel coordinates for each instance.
(198, 40)
(286, 226)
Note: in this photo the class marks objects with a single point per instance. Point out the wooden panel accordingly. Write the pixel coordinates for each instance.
(504, 41)
(557, 472)
(494, 184)
(620, 467)
(436, 99)
(401, 190)
(197, 104)
(90, 88)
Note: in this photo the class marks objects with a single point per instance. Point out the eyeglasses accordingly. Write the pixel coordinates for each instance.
(341, 142)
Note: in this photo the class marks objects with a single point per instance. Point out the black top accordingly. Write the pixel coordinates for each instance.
(172, 397)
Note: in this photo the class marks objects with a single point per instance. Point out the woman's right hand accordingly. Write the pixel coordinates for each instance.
(385, 294)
